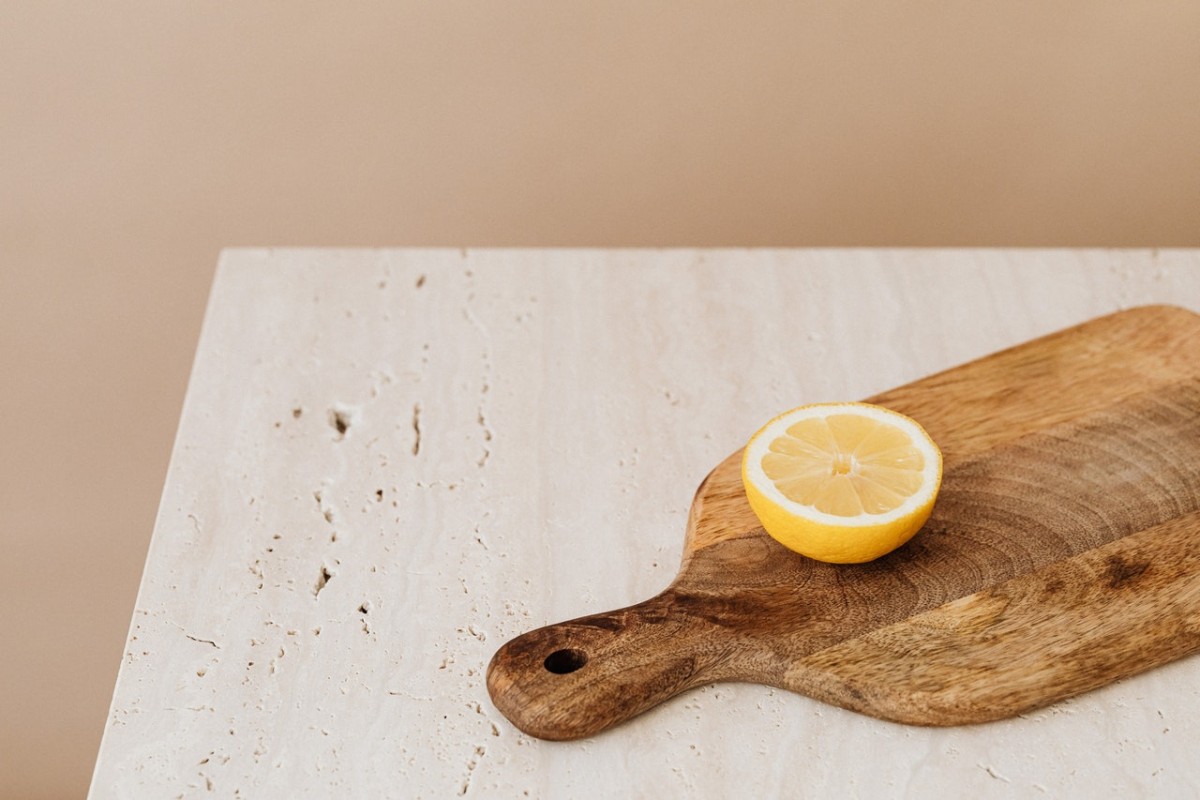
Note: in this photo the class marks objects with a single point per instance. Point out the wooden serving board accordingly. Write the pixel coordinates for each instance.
(1063, 554)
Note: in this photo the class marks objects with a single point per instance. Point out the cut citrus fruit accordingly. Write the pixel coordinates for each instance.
(842, 482)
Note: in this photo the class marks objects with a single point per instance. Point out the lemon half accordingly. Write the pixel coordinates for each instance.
(842, 482)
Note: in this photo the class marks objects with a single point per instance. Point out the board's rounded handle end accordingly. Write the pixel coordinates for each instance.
(577, 678)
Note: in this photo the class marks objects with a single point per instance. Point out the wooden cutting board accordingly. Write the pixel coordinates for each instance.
(1063, 554)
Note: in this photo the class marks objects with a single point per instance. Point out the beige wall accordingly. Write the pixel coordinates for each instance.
(137, 138)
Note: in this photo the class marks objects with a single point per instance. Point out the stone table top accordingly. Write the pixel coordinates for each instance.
(389, 462)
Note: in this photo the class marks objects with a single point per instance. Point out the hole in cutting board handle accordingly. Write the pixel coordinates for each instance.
(560, 662)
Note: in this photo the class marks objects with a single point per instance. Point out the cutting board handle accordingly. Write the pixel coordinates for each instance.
(576, 678)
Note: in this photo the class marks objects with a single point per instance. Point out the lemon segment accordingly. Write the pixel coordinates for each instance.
(842, 482)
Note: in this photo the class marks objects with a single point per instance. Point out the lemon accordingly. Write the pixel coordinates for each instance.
(842, 482)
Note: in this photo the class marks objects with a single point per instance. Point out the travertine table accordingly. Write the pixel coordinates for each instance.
(390, 462)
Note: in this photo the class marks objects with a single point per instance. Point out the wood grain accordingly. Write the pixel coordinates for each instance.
(1059, 557)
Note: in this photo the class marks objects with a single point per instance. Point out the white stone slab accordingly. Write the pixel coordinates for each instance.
(523, 432)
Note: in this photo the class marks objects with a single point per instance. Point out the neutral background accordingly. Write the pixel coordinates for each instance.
(138, 138)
